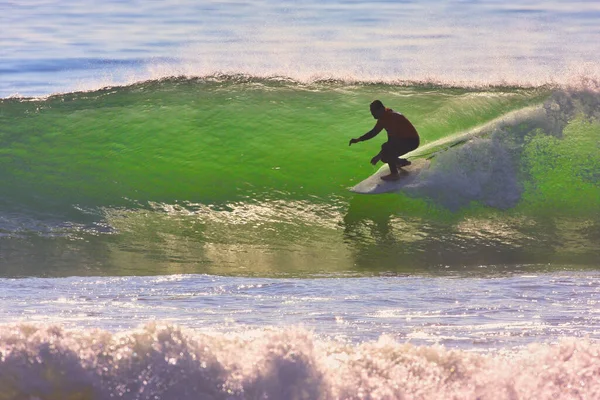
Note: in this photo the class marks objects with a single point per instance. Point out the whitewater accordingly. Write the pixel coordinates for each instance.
(176, 220)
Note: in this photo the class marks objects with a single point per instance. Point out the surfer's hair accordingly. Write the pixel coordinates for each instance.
(377, 105)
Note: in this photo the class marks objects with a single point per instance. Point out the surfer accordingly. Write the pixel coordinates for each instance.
(402, 138)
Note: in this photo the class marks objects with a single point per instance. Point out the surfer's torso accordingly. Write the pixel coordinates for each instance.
(396, 125)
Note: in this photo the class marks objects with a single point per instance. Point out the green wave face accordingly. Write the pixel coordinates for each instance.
(245, 176)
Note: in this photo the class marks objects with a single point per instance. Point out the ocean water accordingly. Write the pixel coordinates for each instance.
(175, 219)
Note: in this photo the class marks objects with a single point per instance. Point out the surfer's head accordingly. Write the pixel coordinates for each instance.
(377, 109)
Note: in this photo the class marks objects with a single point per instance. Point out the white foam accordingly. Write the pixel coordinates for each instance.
(167, 362)
(481, 170)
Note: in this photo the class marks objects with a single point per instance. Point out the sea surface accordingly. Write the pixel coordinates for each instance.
(175, 219)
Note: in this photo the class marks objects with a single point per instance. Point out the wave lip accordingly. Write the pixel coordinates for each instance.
(168, 362)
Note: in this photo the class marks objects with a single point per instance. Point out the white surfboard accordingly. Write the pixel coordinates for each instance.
(375, 185)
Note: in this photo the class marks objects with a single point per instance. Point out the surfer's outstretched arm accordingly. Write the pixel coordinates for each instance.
(369, 135)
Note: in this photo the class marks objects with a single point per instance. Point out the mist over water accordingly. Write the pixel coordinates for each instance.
(56, 47)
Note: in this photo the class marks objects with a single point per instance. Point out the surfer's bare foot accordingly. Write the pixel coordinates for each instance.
(391, 177)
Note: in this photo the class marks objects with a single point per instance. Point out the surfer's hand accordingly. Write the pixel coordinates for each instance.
(352, 141)
(375, 160)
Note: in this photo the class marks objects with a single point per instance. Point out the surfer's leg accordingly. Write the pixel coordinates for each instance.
(406, 146)
(393, 167)
(394, 175)
(389, 155)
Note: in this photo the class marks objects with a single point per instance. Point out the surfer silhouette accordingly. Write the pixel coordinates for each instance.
(402, 138)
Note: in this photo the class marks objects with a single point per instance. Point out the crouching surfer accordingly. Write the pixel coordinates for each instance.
(402, 138)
